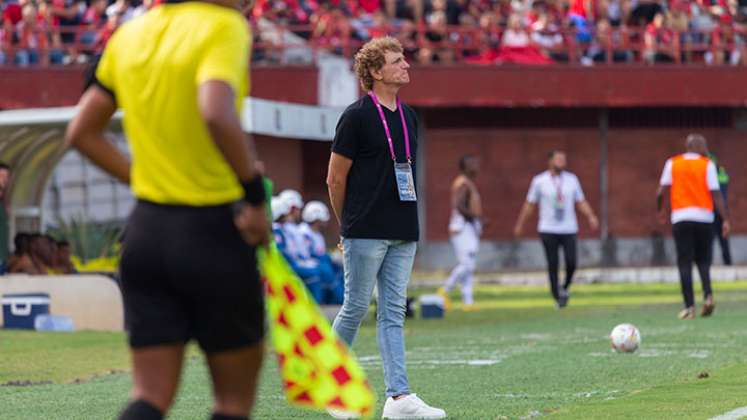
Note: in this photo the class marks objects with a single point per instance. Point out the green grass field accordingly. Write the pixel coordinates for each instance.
(517, 357)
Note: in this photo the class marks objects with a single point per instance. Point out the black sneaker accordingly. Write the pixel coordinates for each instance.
(563, 299)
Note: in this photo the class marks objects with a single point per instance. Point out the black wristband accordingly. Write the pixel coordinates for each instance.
(254, 191)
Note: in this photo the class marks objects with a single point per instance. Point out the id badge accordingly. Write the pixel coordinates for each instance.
(559, 211)
(405, 182)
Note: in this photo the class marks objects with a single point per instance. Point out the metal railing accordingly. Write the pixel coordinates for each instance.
(452, 44)
(684, 47)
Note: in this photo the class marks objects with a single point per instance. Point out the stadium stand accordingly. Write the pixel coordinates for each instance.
(588, 32)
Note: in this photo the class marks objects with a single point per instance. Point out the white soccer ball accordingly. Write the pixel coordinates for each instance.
(625, 338)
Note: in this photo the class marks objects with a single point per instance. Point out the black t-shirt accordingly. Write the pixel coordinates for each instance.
(372, 207)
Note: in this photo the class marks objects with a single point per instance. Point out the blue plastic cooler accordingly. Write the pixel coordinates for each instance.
(20, 309)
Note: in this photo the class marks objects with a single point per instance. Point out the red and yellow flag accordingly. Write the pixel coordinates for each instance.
(317, 368)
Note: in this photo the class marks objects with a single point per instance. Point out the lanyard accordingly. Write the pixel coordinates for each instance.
(558, 186)
(386, 127)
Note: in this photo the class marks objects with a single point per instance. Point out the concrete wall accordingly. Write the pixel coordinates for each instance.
(512, 155)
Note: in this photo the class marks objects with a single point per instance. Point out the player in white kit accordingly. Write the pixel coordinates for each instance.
(465, 227)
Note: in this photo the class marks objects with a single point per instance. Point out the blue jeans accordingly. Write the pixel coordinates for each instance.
(388, 264)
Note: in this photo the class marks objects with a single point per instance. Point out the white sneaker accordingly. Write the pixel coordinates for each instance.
(410, 407)
(342, 414)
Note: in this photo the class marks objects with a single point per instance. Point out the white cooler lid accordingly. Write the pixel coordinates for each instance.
(432, 300)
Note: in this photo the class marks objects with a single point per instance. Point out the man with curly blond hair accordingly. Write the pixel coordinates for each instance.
(372, 190)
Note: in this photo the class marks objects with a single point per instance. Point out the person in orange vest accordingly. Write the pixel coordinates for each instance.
(690, 180)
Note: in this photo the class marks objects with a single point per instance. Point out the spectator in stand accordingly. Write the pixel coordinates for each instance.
(121, 8)
(502, 10)
(701, 23)
(95, 15)
(106, 31)
(144, 6)
(63, 259)
(93, 20)
(433, 6)
(726, 47)
(31, 38)
(516, 46)
(680, 24)
(369, 7)
(468, 38)
(47, 21)
(644, 12)
(515, 36)
(488, 39)
(379, 25)
(332, 29)
(606, 44)
(67, 17)
(583, 9)
(412, 10)
(21, 257)
(546, 34)
(408, 36)
(491, 33)
(741, 11)
(435, 42)
(40, 257)
(615, 11)
(659, 40)
(12, 14)
(581, 16)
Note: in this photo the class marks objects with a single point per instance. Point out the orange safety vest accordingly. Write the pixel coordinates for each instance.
(690, 183)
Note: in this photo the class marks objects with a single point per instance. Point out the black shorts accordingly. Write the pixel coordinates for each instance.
(188, 274)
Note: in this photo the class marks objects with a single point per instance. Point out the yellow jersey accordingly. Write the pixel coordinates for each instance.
(153, 65)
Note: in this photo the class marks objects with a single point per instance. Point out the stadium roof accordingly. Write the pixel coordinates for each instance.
(32, 143)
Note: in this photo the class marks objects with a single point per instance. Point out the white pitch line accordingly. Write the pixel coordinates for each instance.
(737, 414)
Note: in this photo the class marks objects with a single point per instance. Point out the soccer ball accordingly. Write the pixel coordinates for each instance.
(625, 338)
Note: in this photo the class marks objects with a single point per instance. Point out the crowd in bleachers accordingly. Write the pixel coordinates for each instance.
(60, 31)
(298, 229)
(526, 31)
(443, 31)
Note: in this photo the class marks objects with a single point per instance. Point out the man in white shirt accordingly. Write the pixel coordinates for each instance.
(557, 192)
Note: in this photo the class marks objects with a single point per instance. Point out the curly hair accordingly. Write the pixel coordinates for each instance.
(371, 57)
